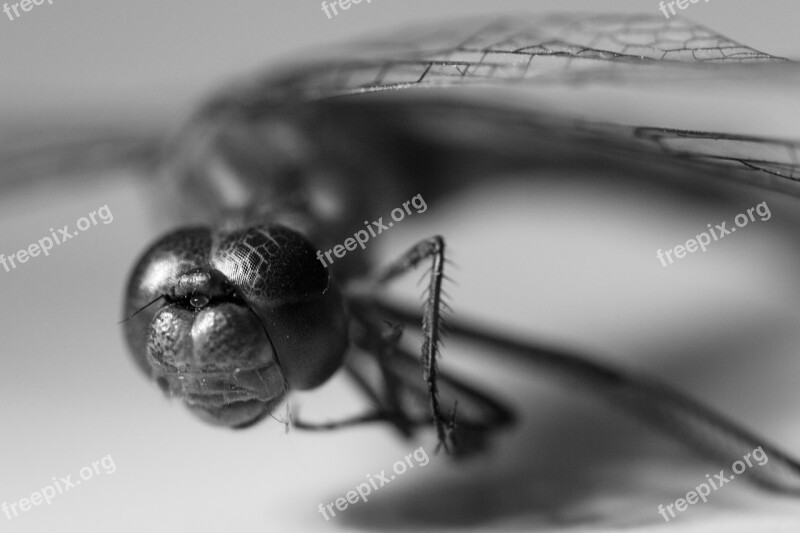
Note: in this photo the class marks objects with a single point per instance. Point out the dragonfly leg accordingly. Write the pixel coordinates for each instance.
(381, 341)
(479, 414)
(431, 248)
(367, 418)
(386, 408)
(399, 367)
(370, 373)
(389, 376)
(711, 433)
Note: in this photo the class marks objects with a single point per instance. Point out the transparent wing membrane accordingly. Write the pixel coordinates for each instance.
(480, 62)
(554, 48)
(523, 52)
(772, 156)
(769, 163)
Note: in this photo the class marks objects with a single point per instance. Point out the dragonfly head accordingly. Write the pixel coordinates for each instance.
(230, 321)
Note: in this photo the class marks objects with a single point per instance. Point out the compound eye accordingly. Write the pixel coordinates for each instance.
(270, 265)
(198, 301)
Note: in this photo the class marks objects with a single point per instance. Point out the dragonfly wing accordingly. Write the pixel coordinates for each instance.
(519, 55)
(494, 73)
(555, 48)
(495, 139)
(31, 158)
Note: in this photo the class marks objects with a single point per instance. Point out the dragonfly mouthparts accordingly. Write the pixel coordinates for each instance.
(217, 398)
(223, 391)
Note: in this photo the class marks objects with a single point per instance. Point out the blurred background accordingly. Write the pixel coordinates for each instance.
(571, 264)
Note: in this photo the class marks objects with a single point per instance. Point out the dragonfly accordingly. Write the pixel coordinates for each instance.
(233, 311)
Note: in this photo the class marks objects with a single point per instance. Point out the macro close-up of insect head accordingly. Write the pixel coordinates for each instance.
(363, 266)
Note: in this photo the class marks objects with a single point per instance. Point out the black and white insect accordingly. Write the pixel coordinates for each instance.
(234, 311)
